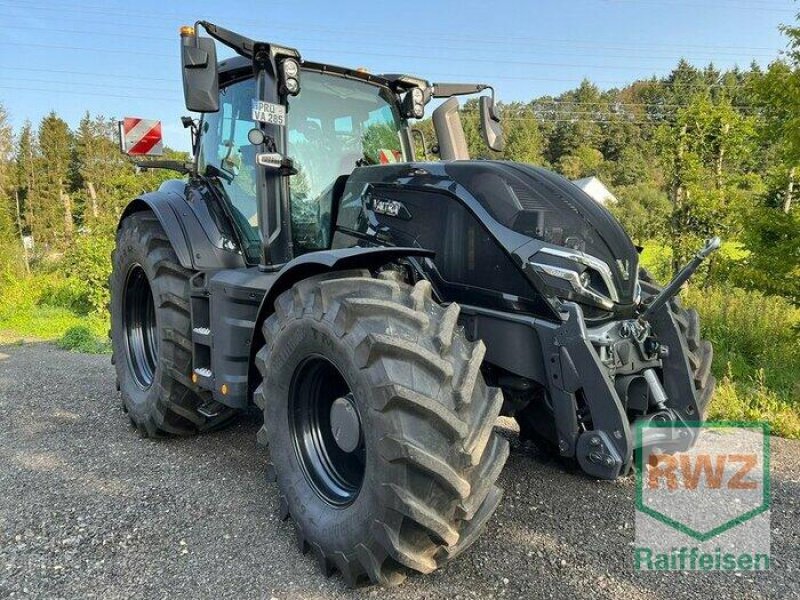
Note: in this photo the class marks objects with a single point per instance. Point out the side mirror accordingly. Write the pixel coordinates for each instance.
(491, 131)
(200, 76)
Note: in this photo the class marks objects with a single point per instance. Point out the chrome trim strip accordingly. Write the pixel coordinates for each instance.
(575, 281)
(589, 261)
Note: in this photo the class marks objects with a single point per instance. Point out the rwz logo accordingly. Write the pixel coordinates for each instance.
(706, 508)
(714, 471)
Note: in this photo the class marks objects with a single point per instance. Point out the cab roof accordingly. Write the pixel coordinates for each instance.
(239, 67)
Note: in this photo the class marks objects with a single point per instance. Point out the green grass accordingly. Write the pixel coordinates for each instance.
(756, 355)
(28, 313)
(756, 342)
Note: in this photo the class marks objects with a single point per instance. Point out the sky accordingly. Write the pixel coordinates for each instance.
(121, 59)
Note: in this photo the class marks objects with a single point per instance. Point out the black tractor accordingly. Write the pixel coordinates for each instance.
(381, 311)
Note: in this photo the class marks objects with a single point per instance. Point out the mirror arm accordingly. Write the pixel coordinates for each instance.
(238, 43)
(493, 106)
(171, 165)
(445, 90)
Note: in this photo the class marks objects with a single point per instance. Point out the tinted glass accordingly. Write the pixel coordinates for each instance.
(334, 125)
(225, 147)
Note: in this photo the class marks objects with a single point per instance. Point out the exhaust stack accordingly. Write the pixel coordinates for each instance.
(450, 132)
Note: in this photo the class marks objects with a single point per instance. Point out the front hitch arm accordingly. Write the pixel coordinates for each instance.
(674, 286)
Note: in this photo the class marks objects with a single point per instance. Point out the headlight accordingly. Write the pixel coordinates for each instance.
(413, 105)
(587, 260)
(290, 68)
(593, 282)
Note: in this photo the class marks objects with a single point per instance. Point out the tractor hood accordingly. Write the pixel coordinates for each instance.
(544, 206)
(500, 230)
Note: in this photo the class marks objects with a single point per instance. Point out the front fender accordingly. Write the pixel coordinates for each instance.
(316, 263)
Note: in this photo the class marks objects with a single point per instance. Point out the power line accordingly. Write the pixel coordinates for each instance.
(84, 84)
(728, 5)
(61, 91)
(356, 53)
(657, 83)
(82, 48)
(541, 102)
(426, 35)
(593, 48)
(626, 83)
(90, 74)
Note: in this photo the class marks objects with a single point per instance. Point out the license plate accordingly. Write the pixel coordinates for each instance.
(267, 112)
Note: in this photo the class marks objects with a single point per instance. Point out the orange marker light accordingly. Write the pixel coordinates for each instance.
(187, 30)
(194, 377)
(224, 389)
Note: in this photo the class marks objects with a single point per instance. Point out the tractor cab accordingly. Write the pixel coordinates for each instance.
(281, 135)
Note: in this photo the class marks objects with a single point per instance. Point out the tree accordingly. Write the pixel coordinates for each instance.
(54, 223)
(99, 169)
(6, 177)
(584, 161)
(773, 233)
(522, 135)
(25, 164)
(644, 210)
(777, 93)
(701, 151)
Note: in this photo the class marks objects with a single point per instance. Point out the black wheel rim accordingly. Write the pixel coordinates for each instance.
(141, 332)
(335, 475)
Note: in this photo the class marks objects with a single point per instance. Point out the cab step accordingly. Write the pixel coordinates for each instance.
(211, 409)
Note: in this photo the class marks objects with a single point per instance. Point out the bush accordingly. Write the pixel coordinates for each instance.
(753, 401)
(12, 264)
(657, 259)
(89, 262)
(756, 355)
(28, 311)
(751, 332)
(773, 263)
(70, 293)
(643, 210)
(81, 339)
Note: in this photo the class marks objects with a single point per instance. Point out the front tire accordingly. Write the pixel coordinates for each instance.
(701, 352)
(151, 333)
(409, 482)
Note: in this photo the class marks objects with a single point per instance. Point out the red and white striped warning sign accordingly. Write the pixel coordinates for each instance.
(140, 137)
(387, 157)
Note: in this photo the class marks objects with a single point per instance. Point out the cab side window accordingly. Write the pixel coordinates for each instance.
(225, 148)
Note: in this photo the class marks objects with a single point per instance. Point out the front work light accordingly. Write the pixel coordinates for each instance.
(290, 76)
(414, 104)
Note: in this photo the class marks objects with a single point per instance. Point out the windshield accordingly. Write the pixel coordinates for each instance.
(334, 125)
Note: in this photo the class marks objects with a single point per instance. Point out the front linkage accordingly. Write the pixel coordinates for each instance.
(589, 370)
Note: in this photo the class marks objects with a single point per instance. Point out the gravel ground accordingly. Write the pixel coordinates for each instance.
(88, 509)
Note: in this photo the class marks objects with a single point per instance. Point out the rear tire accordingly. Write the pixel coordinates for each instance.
(429, 453)
(151, 333)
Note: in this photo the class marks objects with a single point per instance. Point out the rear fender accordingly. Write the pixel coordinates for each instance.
(183, 211)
